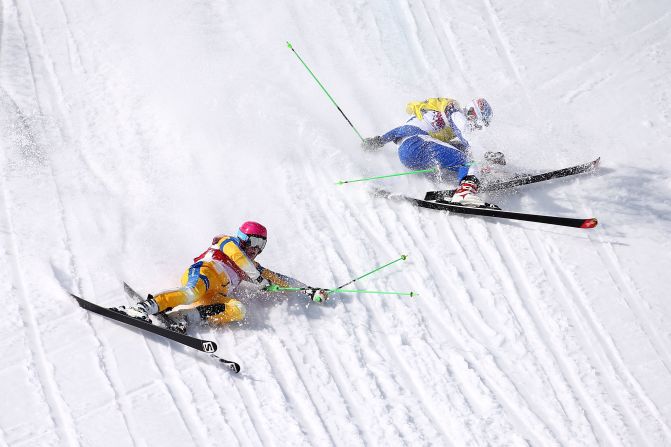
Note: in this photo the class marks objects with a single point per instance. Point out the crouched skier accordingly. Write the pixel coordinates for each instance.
(214, 275)
(435, 136)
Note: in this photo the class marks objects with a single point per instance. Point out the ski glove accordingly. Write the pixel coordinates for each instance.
(316, 295)
(373, 143)
(262, 282)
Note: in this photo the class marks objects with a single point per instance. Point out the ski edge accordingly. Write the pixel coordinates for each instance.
(233, 366)
(573, 222)
(198, 344)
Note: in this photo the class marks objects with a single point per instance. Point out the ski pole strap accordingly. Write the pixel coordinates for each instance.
(342, 182)
(324, 89)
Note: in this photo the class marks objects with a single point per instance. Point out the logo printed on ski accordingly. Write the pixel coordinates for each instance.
(208, 346)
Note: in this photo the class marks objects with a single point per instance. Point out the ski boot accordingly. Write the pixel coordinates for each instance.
(467, 194)
(173, 322)
(495, 158)
(141, 310)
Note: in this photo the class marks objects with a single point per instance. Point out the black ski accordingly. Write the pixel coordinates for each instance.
(521, 180)
(492, 212)
(187, 340)
(166, 320)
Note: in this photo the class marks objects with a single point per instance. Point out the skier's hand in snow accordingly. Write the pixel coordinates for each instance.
(316, 295)
(372, 144)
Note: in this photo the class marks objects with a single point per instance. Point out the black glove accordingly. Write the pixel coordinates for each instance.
(316, 295)
(262, 282)
(372, 144)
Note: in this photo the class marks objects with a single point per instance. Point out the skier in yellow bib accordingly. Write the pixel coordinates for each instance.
(434, 136)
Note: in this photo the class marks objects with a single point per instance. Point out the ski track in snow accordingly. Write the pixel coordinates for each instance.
(508, 341)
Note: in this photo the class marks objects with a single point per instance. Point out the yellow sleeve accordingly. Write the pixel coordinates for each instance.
(278, 279)
(235, 254)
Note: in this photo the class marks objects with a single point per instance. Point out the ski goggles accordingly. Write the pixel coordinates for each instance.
(252, 241)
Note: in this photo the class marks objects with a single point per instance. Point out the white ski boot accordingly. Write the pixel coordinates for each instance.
(141, 310)
(467, 193)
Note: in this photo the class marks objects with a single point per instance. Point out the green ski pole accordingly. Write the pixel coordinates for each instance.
(324, 89)
(377, 269)
(342, 182)
(276, 288)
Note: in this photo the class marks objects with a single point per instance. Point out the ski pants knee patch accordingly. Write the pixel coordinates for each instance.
(221, 313)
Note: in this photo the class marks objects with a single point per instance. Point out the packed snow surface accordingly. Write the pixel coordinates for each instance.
(133, 131)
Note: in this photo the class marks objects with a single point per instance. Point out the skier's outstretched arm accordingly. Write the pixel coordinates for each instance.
(314, 293)
(395, 134)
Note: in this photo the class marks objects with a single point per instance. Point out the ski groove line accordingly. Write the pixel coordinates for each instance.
(59, 91)
(408, 378)
(60, 414)
(627, 285)
(191, 422)
(579, 396)
(473, 416)
(246, 422)
(373, 382)
(584, 322)
(59, 203)
(615, 366)
(290, 421)
(309, 390)
(534, 345)
(502, 43)
(519, 410)
(541, 426)
(288, 388)
(248, 397)
(172, 380)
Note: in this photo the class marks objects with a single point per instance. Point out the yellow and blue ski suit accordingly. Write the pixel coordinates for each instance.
(213, 275)
(433, 136)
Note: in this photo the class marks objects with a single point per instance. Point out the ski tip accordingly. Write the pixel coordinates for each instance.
(233, 366)
(589, 223)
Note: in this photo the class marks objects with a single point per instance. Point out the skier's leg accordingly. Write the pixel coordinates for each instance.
(198, 280)
(451, 158)
(226, 310)
(414, 154)
(220, 311)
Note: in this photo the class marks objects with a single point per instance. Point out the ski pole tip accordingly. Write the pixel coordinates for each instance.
(404, 257)
(289, 45)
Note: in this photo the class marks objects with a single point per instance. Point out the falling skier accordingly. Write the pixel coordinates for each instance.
(434, 137)
(208, 283)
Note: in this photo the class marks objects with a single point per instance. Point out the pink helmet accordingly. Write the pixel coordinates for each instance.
(253, 234)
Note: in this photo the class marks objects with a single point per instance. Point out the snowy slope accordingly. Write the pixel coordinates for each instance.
(133, 131)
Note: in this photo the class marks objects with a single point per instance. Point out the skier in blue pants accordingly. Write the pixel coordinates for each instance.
(434, 137)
